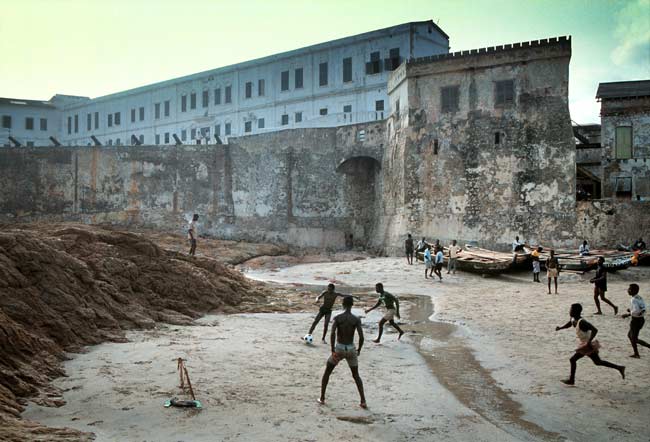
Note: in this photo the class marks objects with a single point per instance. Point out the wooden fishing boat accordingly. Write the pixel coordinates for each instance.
(477, 260)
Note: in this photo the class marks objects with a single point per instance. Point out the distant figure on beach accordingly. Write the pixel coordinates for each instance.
(536, 264)
(438, 261)
(587, 345)
(325, 310)
(454, 251)
(516, 245)
(428, 262)
(600, 286)
(342, 341)
(349, 242)
(421, 245)
(637, 313)
(639, 244)
(584, 249)
(408, 248)
(192, 234)
(392, 310)
(552, 270)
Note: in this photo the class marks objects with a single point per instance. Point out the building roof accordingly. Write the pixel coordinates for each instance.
(624, 89)
(30, 103)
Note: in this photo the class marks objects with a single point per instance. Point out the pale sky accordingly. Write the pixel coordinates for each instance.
(93, 48)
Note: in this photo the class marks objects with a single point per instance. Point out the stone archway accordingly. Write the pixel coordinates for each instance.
(361, 186)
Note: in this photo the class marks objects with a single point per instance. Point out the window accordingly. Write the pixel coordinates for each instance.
(141, 139)
(393, 61)
(228, 98)
(248, 126)
(285, 119)
(623, 142)
(297, 117)
(298, 83)
(117, 118)
(504, 92)
(260, 123)
(347, 70)
(379, 105)
(249, 89)
(43, 124)
(30, 144)
(184, 135)
(227, 129)
(76, 124)
(29, 123)
(205, 97)
(624, 187)
(347, 108)
(118, 142)
(132, 115)
(449, 98)
(141, 113)
(323, 111)
(497, 137)
(110, 141)
(89, 122)
(322, 74)
(110, 120)
(284, 86)
(157, 139)
(156, 111)
(6, 121)
(166, 137)
(96, 120)
(217, 130)
(193, 100)
(193, 134)
(217, 96)
(260, 88)
(167, 105)
(374, 65)
(69, 125)
(184, 103)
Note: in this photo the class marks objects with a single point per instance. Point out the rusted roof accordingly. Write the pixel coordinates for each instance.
(624, 89)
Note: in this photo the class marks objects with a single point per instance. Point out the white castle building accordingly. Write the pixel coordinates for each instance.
(329, 84)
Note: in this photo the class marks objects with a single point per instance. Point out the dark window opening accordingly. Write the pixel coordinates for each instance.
(167, 108)
(228, 98)
(379, 105)
(623, 187)
(217, 96)
(347, 108)
(435, 146)
(29, 123)
(504, 92)
(260, 88)
(322, 74)
(217, 130)
(117, 118)
(166, 137)
(183, 104)
(284, 81)
(141, 113)
(260, 123)
(285, 119)
(497, 137)
(347, 70)
(96, 120)
(110, 120)
(298, 79)
(449, 97)
(6, 121)
(193, 100)
(44, 123)
(227, 129)
(298, 117)
(132, 115)
(393, 61)
(156, 110)
(374, 65)
(89, 122)
(205, 98)
(323, 111)
(248, 126)
(249, 89)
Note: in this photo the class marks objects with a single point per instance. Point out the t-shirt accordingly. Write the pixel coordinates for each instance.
(637, 309)
(552, 263)
(535, 255)
(515, 245)
(454, 250)
(439, 257)
(427, 255)
(583, 249)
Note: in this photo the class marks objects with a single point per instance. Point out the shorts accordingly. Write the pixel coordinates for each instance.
(636, 324)
(438, 266)
(324, 311)
(429, 264)
(551, 273)
(586, 350)
(390, 314)
(343, 351)
(535, 266)
(409, 251)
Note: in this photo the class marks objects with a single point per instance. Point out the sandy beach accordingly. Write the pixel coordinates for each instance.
(487, 368)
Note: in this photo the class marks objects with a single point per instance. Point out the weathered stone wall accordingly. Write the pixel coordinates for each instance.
(610, 222)
(444, 174)
(306, 187)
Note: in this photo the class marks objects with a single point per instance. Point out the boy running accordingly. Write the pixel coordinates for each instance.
(392, 310)
(326, 309)
(587, 345)
(637, 312)
(600, 286)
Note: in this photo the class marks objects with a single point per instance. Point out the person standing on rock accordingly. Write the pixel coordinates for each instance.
(408, 247)
(587, 345)
(342, 341)
(192, 234)
(325, 310)
(552, 270)
(600, 286)
(637, 312)
(392, 311)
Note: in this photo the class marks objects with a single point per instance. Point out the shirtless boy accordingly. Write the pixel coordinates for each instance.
(326, 309)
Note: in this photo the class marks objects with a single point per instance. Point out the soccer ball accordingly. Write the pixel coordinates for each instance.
(309, 339)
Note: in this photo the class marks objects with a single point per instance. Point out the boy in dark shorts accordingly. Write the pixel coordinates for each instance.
(408, 247)
(325, 310)
(587, 345)
(636, 312)
(600, 286)
(392, 310)
(342, 341)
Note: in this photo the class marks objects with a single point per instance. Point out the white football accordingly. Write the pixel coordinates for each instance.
(309, 339)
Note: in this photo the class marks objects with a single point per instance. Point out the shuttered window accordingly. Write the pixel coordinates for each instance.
(623, 142)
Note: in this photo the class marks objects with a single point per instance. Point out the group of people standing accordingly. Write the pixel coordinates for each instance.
(433, 256)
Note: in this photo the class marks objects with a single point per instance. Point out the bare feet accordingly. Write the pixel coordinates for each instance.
(321, 401)
(615, 310)
(622, 370)
(635, 356)
(324, 341)
(598, 313)
(363, 405)
(568, 382)
(376, 341)
(400, 335)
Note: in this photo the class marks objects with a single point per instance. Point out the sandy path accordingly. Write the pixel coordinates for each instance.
(510, 323)
(258, 382)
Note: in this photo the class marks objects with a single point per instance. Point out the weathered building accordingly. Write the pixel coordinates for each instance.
(330, 84)
(589, 157)
(625, 137)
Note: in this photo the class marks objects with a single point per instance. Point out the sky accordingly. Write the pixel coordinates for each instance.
(93, 48)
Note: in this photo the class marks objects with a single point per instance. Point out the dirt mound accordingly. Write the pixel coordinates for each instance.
(63, 287)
